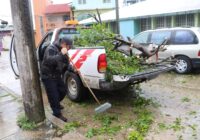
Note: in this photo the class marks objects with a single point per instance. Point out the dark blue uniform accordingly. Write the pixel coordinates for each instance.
(53, 66)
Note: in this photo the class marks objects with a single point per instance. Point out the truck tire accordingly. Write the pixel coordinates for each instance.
(74, 86)
(183, 65)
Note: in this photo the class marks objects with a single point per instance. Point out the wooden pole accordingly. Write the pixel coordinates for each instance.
(27, 62)
(117, 16)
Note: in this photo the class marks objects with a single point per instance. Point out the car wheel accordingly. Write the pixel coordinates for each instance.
(75, 89)
(183, 65)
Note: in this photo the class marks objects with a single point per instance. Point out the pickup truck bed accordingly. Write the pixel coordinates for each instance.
(120, 82)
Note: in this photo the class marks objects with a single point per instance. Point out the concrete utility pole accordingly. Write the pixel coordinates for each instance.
(27, 62)
(117, 16)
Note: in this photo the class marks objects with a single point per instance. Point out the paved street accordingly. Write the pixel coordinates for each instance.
(10, 105)
(7, 78)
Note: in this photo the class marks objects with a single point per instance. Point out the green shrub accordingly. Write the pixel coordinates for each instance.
(25, 124)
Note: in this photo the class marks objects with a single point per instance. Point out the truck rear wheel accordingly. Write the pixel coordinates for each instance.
(75, 88)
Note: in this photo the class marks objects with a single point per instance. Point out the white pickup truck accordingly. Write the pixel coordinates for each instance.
(91, 62)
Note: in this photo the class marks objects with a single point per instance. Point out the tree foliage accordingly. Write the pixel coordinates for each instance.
(118, 63)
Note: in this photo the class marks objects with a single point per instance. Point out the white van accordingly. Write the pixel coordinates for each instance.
(184, 44)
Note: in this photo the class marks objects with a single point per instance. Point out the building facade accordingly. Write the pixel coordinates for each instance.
(131, 27)
(47, 16)
(134, 26)
(5, 36)
(82, 8)
(146, 15)
(56, 15)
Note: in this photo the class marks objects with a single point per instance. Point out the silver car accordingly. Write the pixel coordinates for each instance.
(184, 44)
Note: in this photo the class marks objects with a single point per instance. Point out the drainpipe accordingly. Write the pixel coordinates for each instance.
(117, 16)
(173, 21)
(196, 19)
(153, 23)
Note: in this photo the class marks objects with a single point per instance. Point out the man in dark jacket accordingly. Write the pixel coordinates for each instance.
(54, 63)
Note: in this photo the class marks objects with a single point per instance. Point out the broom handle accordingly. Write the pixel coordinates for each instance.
(83, 79)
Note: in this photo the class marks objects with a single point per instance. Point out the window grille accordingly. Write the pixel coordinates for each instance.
(81, 1)
(162, 22)
(185, 20)
(145, 24)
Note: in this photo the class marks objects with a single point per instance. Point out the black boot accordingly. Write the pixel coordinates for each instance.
(61, 107)
(61, 117)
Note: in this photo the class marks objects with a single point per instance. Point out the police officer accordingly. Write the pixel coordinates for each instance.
(54, 63)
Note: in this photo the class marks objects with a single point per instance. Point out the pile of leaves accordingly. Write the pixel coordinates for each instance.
(100, 35)
(106, 126)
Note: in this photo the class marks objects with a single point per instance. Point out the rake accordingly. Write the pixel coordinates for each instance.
(102, 107)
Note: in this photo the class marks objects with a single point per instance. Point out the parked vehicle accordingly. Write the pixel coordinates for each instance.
(184, 44)
(91, 62)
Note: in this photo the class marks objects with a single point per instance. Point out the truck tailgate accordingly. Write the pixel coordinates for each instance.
(145, 75)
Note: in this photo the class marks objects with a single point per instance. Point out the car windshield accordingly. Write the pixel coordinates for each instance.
(141, 38)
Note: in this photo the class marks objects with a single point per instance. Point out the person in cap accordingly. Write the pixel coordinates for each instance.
(55, 63)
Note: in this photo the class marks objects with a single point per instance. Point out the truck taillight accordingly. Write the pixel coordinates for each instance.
(102, 63)
(199, 53)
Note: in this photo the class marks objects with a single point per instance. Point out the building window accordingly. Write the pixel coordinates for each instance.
(129, 2)
(185, 20)
(162, 22)
(52, 19)
(81, 1)
(106, 1)
(66, 17)
(145, 24)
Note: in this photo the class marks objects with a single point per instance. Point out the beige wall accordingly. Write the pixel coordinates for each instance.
(55, 21)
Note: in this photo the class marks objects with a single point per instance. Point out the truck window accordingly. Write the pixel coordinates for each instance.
(71, 32)
(158, 37)
(141, 38)
(185, 37)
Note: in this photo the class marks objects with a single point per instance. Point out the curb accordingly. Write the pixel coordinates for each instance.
(55, 121)
(11, 92)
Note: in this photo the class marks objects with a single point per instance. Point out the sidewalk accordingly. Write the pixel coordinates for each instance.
(7, 78)
(9, 110)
